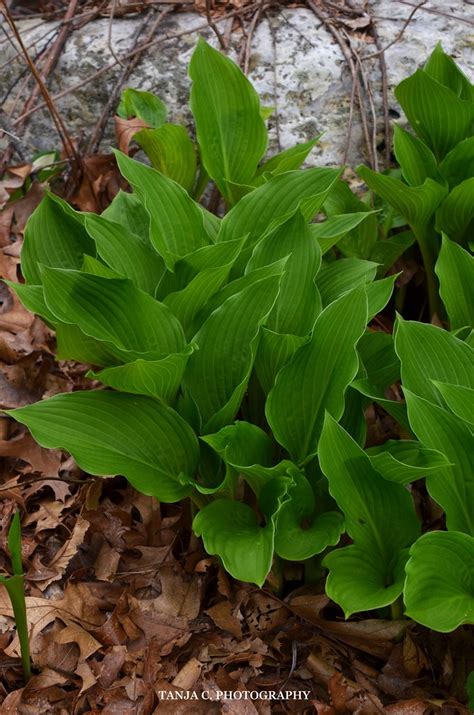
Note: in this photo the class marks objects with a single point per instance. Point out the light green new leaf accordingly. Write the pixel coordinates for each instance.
(416, 160)
(429, 353)
(218, 372)
(160, 379)
(329, 232)
(316, 378)
(452, 487)
(302, 532)
(436, 113)
(287, 160)
(231, 530)
(115, 311)
(171, 151)
(54, 236)
(458, 164)
(455, 216)
(444, 70)
(111, 433)
(144, 105)
(403, 461)
(379, 293)
(73, 344)
(299, 301)
(231, 133)
(455, 270)
(128, 211)
(176, 221)
(380, 519)
(126, 253)
(32, 297)
(439, 588)
(460, 400)
(338, 277)
(274, 351)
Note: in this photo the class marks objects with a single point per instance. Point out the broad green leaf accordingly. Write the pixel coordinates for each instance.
(54, 236)
(115, 311)
(155, 378)
(73, 344)
(386, 252)
(231, 133)
(144, 105)
(455, 216)
(126, 253)
(329, 232)
(128, 211)
(316, 378)
(232, 530)
(375, 393)
(111, 433)
(302, 532)
(298, 302)
(416, 160)
(455, 270)
(458, 164)
(176, 221)
(379, 359)
(379, 293)
(452, 487)
(444, 70)
(439, 585)
(336, 278)
(171, 151)
(429, 353)
(380, 519)
(436, 113)
(96, 267)
(287, 160)
(32, 297)
(460, 400)
(403, 461)
(217, 373)
(274, 351)
(358, 243)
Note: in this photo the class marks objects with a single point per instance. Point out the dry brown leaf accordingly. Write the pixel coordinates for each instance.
(225, 619)
(188, 675)
(61, 560)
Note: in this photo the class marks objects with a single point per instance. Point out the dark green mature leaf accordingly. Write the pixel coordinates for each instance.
(298, 302)
(429, 353)
(375, 393)
(440, 580)
(452, 487)
(455, 270)
(331, 231)
(403, 461)
(416, 160)
(317, 377)
(436, 113)
(287, 160)
(379, 359)
(126, 253)
(379, 517)
(444, 70)
(218, 372)
(458, 164)
(361, 239)
(111, 433)
(274, 351)
(144, 105)
(73, 344)
(379, 293)
(171, 151)
(386, 252)
(455, 216)
(231, 133)
(54, 236)
(338, 277)
(231, 530)
(32, 297)
(460, 400)
(127, 210)
(113, 310)
(177, 222)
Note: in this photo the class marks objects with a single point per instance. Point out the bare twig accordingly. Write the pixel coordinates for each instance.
(399, 35)
(384, 78)
(248, 41)
(213, 26)
(436, 11)
(109, 35)
(275, 82)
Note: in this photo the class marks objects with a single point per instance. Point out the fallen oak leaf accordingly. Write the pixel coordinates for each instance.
(75, 634)
(63, 556)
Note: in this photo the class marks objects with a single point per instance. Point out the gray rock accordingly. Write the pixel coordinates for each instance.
(295, 66)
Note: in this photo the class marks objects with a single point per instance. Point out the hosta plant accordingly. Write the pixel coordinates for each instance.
(237, 358)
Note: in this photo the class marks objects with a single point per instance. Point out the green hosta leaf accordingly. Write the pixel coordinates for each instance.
(177, 222)
(379, 293)
(376, 394)
(128, 211)
(231, 530)
(403, 461)
(338, 277)
(452, 487)
(386, 252)
(458, 165)
(144, 105)
(436, 113)
(54, 236)
(73, 344)
(302, 532)
(96, 268)
(416, 160)
(360, 239)
(329, 232)
(455, 270)
(440, 580)
(444, 70)
(113, 310)
(460, 400)
(155, 378)
(231, 133)
(379, 359)
(111, 433)
(429, 353)
(379, 517)
(217, 373)
(317, 377)
(126, 253)
(455, 216)
(287, 160)
(274, 351)
(171, 151)
(32, 297)
(298, 302)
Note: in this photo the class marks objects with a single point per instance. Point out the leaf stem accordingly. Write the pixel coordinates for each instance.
(397, 609)
(15, 586)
